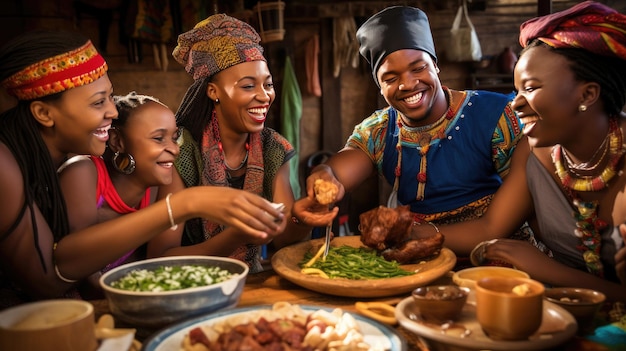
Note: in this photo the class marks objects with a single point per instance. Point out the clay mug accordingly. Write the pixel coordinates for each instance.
(509, 308)
(49, 325)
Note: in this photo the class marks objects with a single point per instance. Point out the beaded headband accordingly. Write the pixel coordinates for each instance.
(56, 74)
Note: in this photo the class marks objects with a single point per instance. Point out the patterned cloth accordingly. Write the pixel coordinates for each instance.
(464, 167)
(202, 165)
(215, 44)
(56, 74)
(589, 25)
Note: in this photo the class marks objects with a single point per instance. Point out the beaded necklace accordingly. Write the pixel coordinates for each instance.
(590, 183)
(426, 136)
(217, 137)
(588, 224)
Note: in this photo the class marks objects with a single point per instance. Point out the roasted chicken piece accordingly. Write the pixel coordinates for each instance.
(389, 231)
(383, 227)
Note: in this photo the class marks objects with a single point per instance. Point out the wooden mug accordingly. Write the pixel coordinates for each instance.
(49, 325)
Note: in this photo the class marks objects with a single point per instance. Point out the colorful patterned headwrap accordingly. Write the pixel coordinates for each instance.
(392, 29)
(56, 74)
(215, 44)
(589, 25)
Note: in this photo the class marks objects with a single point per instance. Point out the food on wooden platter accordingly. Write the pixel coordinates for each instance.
(391, 232)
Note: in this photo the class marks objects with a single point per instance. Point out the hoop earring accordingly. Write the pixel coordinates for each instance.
(125, 165)
(582, 108)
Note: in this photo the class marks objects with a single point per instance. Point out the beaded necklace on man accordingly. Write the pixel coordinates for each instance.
(588, 224)
(426, 136)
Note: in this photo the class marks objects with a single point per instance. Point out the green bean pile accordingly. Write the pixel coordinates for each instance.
(356, 263)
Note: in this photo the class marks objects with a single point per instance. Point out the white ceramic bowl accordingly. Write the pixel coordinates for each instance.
(157, 309)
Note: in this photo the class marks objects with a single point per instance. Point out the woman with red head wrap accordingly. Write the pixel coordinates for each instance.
(568, 171)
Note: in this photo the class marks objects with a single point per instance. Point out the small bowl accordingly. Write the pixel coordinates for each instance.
(49, 325)
(583, 304)
(157, 309)
(509, 308)
(469, 276)
(440, 303)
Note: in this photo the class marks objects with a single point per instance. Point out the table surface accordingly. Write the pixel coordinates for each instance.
(267, 287)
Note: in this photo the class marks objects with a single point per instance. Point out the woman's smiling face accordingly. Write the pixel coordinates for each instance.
(548, 96)
(245, 92)
(82, 118)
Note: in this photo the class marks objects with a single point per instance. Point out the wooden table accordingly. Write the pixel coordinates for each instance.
(267, 288)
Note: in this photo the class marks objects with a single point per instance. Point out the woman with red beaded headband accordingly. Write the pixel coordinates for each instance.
(568, 171)
(65, 106)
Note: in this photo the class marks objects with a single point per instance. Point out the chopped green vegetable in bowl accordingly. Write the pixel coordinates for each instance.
(159, 291)
(166, 278)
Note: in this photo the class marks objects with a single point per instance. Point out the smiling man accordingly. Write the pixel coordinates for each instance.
(444, 151)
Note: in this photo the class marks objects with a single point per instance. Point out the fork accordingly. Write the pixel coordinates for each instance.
(327, 239)
(327, 242)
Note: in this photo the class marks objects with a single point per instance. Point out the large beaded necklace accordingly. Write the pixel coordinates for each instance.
(588, 224)
(589, 183)
(426, 136)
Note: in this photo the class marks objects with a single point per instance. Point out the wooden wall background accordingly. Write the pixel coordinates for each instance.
(326, 121)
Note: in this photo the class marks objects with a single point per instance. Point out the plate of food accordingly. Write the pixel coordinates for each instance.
(310, 322)
(557, 327)
(287, 261)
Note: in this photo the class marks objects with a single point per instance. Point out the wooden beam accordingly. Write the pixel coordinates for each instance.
(544, 7)
(331, 91)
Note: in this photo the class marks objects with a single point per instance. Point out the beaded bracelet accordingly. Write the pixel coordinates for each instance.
(173, 224)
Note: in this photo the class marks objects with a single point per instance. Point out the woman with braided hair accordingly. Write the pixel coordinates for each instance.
(224, 140)
(65, 106)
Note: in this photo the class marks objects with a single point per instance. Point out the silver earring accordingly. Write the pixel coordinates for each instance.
(582, 108)
(125, 165)
(217, 101)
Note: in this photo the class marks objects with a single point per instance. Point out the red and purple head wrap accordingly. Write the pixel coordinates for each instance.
(589, 25)
(216, 43)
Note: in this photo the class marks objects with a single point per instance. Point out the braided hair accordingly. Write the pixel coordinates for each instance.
(195, 110)
(608, 72)
(19, 131)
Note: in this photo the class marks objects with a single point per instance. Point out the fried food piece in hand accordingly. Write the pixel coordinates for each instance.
(325, 191)
(384, 227)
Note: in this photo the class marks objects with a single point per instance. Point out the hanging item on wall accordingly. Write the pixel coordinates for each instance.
(270, 15)
(464, 44)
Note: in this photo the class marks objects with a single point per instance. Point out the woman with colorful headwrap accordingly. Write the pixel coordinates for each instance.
(568, 171)
(65, 106)
(225, 141)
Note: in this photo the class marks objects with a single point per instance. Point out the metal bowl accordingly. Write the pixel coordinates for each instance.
(158, 309)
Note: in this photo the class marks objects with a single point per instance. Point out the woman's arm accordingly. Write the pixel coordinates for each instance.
(19, 259)
(250, 218)
(511, 205)
(539, 266)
